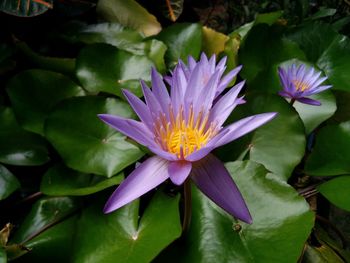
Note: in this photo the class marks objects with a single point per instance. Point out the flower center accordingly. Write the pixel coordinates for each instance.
(182, 136)
(300, 86)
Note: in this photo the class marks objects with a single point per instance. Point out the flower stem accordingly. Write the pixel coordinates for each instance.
(292, 102)
(188, 205)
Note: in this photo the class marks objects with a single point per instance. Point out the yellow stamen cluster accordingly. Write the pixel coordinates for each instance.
(182, 136)
(300, 86)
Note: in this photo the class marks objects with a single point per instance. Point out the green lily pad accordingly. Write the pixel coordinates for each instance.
(60, 180)
(57, 64)
(102, 67)
(8, 182)
(337, 191)
(31, 94)
(123, 235)
(52, 245)
(119, 36)
(17, 146)
(311, 38)
(335, 61)
(279, 145)
(282, 222)
(129, 13)
(331, 154)
(44, 213)
(343, 107)
(313, 116)
(331, 53)
(84, 142)
(263, 47)
(182, 40)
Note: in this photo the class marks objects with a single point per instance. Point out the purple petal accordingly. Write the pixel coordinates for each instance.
(179, 171)
(191, 63)
(147, 176)
(213, 179)
(222, 63)
(131, 128)
(160, 91)
(225, 105)
(211, 145)
(317, 90)
(140, 108)
(152, 102)
(243, 127)
(160, 152)
(178, 88)
(309, 101)
(204, 100)
(228, 78)
(285, 94)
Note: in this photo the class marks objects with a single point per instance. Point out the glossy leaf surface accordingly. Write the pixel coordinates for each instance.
(84, 142)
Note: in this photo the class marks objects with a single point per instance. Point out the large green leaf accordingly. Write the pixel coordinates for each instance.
(8, 182)
(121, 37)
(331, 53)
(337, 191)
(44, 213)
(279, 145)
(123, 236)
(17, 146)
(84, 142)
(313, 116)
(282, 222)
(102, 67)
(263, 47)
(331, 154)
(25, 8)
(60, 180)
(52, 245)
(335, 62)
(31, 94)
(182, 40)
(129, 13)
(343, 107)
(57, 64)
(311, 38)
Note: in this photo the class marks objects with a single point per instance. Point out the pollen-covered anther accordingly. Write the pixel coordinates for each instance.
(300, 85)
(182, 136)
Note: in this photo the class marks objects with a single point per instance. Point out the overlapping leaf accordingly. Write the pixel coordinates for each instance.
(123, 236)
(337, 191)
(129, 13)
(282, 222)
(279, 145)
(60, 181)
(34, 93)
(182, 40)
(331, 154)
(84, 142)
(17, 146)
(8, 182)
(102, 67)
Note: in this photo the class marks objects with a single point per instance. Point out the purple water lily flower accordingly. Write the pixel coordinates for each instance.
(300, 82)
(181, 129)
